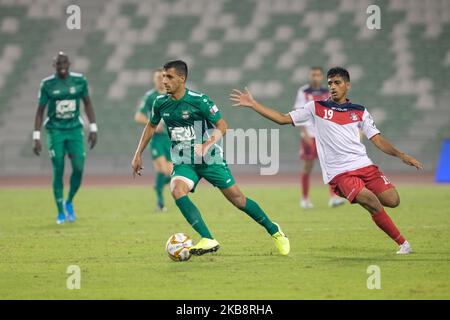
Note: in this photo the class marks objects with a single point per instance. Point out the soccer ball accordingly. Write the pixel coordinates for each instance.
(177, 247)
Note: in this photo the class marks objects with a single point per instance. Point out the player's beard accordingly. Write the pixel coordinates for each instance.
(62, 73)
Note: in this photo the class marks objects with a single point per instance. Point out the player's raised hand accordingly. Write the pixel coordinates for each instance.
(92, 139)
(37, 147)
(244, 99)
(136, 164)
(406, 158)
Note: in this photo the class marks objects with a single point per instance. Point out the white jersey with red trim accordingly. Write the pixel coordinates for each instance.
(306, 94)
(337, 134)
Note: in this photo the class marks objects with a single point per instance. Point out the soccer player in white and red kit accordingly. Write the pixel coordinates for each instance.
(313, 91)
(343, 158)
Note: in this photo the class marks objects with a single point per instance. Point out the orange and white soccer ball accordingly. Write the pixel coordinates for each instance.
(177, 247)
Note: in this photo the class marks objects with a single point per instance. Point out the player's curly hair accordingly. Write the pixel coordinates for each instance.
(339, 71)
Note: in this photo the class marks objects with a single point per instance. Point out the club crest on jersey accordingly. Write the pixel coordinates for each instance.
(185, 115)
(72, 90)
(353, 116)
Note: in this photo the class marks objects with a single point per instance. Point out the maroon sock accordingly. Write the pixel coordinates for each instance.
(305, 185)
(384, 222)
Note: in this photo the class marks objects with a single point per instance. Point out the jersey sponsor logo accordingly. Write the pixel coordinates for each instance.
(65, 109)
(182, 133)
(72, 90)
(339, 109)
(56, 91)
(165, 114)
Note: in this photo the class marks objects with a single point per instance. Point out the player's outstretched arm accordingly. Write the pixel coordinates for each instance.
(245, 99)
(384, 145)
(92, 139)
(147, 134)
(37, 146)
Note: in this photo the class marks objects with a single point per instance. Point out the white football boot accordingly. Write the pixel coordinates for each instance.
(335, 202)
(405, 248)
(306, 204)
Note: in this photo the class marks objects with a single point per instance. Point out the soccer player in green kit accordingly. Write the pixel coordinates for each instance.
(160, 143)
(62, 93)
(182, 111)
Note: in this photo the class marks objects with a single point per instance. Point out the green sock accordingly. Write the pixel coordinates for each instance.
(58, 184)
(160, 182)
(193, 216)
(257, 214)
(76, 177)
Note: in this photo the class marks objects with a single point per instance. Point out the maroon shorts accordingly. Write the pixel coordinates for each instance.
(349, 184)
(308, 152)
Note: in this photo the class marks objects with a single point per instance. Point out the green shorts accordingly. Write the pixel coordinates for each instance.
(160, 146)
(218, 175)
(62, 142)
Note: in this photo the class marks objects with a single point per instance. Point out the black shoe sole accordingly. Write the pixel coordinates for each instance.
(200, 252)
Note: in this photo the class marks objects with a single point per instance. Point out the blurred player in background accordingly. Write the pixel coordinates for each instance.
(62, 92)
(196, 126)
(160, 143)
(313, 91)
(343, 158)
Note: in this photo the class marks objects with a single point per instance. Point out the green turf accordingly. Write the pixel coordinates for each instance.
(118, 242)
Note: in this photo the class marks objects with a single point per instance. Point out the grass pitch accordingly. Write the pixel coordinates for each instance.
(118, 243)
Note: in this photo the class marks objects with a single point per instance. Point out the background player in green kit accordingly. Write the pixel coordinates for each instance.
(160, 143)
(188, 115)
(62, 93)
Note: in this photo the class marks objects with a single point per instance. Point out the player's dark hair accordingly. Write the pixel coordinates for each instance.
(316, 68)
(179, 66)
(339, 71)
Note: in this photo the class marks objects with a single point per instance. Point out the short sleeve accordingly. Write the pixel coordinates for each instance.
(85, 90)
(302, 115)
(42, 96)
(368, 125)
(155, 116)
(210, 110)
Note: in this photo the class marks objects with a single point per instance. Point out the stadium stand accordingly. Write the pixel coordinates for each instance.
(267, 45)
